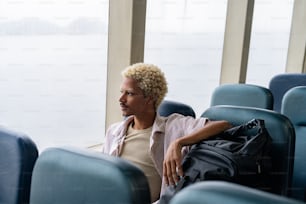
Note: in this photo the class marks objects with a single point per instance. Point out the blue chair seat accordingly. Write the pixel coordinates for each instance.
(77, 176)
(281, 83)
(220, 192)
(168, 107)
(242, 95)
(294, 107)
(282, 133)
(18, 154)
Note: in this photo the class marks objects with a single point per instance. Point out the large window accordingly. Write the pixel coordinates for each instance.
(185, 38)
(269, 40)
(53, 70)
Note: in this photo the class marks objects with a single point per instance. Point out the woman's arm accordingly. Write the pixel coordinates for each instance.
(172, 167)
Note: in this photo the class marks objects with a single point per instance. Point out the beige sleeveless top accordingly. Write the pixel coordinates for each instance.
(136, 149)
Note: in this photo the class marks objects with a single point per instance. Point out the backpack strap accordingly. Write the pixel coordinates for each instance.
(185, 179)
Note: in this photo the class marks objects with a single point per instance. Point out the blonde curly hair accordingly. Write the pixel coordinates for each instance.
(150, 80)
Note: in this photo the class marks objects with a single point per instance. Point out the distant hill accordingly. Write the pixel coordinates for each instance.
(36, 26)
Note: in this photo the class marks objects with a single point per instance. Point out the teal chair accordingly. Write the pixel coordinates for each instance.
(242, 95)
(18, 154)
(282, 133)
(77, 176)
(281, 83)
(168, 107)
(221, 192)
(294, 107)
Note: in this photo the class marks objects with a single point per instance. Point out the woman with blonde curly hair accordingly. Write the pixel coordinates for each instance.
(154, 143)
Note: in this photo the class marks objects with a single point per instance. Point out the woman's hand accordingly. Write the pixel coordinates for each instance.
(172, 165)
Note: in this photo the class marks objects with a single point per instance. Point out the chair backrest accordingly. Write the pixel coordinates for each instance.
(282, 133)
(168, 107)
(18, 154)
(242, 95)
(281, 83)
(78, 176)
(218, 192)
(294, 107)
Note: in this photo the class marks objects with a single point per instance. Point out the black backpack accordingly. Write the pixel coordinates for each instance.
(240, 154)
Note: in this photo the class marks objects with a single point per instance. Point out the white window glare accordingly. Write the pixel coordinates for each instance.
(53, 70)
(269, 40)
(185, 38)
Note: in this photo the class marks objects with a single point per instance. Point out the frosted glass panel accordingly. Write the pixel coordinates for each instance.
(185, 39)
(269, 40)
(53, 70)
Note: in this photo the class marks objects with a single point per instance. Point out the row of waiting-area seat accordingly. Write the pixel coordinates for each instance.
(72, 175)
(65, 175)
(283, 107)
